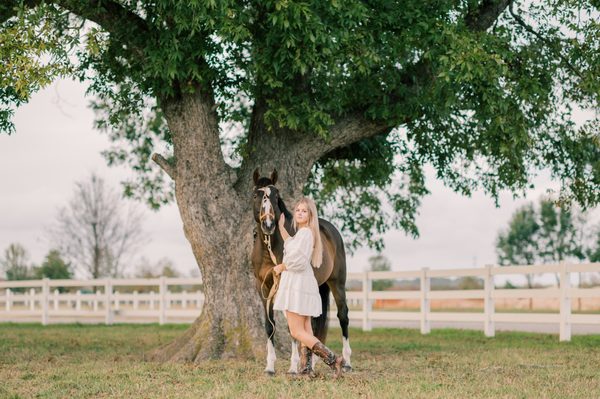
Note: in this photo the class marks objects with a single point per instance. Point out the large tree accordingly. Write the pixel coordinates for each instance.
(348, 100)
(560, 237)
(542, 234)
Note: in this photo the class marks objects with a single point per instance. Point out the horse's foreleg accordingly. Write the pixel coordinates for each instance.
(271, 356)
(294, 359)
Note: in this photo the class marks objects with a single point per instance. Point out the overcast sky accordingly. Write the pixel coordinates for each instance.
(55, 145)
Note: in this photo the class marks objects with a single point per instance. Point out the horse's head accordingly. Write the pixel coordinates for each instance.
(266, 202)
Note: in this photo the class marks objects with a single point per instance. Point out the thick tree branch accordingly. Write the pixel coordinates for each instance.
(194, 125)
(345, 132)
(165, 165)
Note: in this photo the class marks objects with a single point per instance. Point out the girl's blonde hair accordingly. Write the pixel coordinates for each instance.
(313, 225)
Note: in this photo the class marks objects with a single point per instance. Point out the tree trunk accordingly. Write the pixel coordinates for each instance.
(214, 201)
(216, 212)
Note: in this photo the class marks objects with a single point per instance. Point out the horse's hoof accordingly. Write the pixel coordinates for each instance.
(269, 373)
(292, 373)
(346, 368)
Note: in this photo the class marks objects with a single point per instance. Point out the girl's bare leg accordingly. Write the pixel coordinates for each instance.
(308, 325)
(297, 325)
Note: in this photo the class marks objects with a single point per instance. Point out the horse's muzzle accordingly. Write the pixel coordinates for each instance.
(268, 230)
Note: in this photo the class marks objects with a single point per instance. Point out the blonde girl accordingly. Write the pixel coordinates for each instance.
(298, 293)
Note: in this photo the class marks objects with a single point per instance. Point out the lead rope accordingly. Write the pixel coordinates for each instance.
(274, 287)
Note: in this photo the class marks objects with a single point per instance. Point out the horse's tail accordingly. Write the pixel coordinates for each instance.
(320, 323)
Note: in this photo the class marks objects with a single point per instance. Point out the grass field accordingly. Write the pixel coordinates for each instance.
(82, 361)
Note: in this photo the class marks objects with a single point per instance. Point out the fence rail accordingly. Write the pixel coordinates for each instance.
(564, 294)
(101, 299)
(106, 301)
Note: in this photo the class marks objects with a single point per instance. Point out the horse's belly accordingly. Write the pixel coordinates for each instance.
(323, 272)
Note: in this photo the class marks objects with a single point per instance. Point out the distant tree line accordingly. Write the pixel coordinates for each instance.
(545, 233)
(15, 265)
(94, 236)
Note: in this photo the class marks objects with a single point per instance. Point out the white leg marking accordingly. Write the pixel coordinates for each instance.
(295, 358)
(271, 357)
(346, 352)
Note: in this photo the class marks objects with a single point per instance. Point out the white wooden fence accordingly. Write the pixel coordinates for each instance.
(101, 298)
(565, 293)
(43, 302)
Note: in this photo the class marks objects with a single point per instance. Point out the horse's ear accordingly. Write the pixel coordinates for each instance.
(274, 176)
(256, 176)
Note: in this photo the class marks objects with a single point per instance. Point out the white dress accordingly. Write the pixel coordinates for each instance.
(298, 289)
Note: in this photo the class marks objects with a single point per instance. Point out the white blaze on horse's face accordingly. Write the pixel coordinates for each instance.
(266, 207)
(267, 212)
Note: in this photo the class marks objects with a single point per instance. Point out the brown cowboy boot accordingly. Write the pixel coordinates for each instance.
(330, 359)
(306, 361)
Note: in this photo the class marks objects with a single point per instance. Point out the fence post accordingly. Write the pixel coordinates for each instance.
(162, 301)
(425, 304)
(152, 300)
(32, 299)
(184, 300)
(117, 300)
(565, 303)
(55, 299)
(78, 301)
(135, 300)
(108, 302)
(45, 300)
(8, 299)
(488, 303)
(367, 307)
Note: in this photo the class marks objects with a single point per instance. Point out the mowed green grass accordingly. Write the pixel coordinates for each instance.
(82, 361)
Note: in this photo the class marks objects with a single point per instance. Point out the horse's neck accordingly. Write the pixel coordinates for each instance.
(276, 243)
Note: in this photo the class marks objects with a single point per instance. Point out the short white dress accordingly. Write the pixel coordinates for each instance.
(298, 289)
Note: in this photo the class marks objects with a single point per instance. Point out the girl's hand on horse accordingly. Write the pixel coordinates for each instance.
(282, 229)
(279, 268)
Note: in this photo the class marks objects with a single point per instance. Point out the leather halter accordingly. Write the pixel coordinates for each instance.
(262, 215)
(267, 242)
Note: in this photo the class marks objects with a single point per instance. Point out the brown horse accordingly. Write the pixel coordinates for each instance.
(331, 276)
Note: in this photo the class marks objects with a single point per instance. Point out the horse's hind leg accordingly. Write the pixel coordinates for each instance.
(339, 294)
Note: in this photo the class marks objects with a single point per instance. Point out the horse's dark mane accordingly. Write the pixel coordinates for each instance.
(284, 209)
